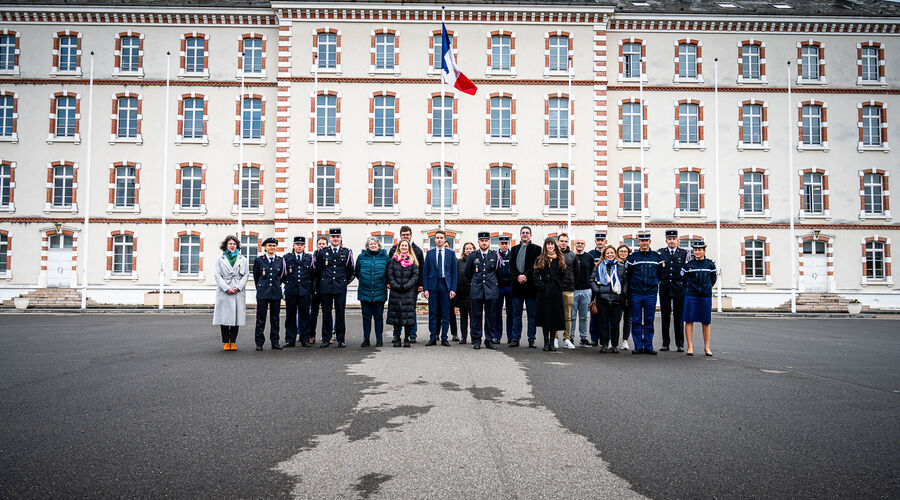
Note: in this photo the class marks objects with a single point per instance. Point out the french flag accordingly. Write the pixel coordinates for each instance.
(450, 71)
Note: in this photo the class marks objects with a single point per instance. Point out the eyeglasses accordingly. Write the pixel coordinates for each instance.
(526, 232)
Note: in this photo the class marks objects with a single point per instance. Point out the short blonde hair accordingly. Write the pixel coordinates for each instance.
(376, 240)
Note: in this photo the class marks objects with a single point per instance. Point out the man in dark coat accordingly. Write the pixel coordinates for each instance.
(597, 253)
(406, 234)
(524, 293)
(671, 289)
(334, 270)
(299, 269)
(504, 294)
(268, 270)
(481, 269)
(439, 280)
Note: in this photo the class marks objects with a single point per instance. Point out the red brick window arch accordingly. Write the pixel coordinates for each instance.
(127, 117)
(326, 50)
(690, 192)
(251, 56)
(5, 254)
(632, 60)
(873, 126)
(194, 55)
(756, 260)
(435, 50)
(121, 255)
(384, 51)
(751, 61)
(387, 238)
(188, 255)
(870, 64)
(876, 260)
(559, 51)
(65, 117)
(452, 237)
(754, 192)
(811, 62)
(442, 118)
(9, 116)
(383, 187)
(325, 116)
(688, 61)
(812, 125)
(66, 53)
(441, 185)
(874, 194)
(128, 57)
(501, 53)
(124, 187)
(9, 50)
(814, 193)
(689, 125)
(7, 186)
(384, 117)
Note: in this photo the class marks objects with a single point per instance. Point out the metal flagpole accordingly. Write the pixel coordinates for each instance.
(316, 146)
(569, 153)
(165, 183)
(87, 186)
(641, 95)
(791, 193)
(718, 196)
(240, 203)
(443, 123)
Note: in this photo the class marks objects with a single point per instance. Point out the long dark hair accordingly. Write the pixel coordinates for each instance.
(544, 260)
(230, 237)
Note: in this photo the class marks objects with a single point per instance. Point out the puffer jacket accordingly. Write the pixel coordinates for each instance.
(402, 302)
(699, 277)
(604, 293)
(371, 271)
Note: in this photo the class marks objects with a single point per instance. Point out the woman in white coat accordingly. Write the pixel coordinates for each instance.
(232, 272)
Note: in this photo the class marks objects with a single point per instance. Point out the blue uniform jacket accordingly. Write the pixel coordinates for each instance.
(334, 270)
(431, 275)
(505, 273)
(267, 276)
(699, 276)
(371, 271)
(482, 274)
(671, 273)
(643, 271)
(298, 274)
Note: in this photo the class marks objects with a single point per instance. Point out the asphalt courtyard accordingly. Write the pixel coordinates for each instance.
(147, 405)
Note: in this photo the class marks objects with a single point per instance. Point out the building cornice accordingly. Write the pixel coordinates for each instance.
(106, 15)
(719, 24)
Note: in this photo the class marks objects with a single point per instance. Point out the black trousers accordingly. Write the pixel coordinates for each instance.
(296, 323)
(337, 302)
(273, 308)
(229, 334)
(608, 317)
(482, 312)
(463, 306)
(671, 304)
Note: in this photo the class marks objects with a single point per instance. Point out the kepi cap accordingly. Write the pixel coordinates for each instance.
(698, 244)
(269, 240)
(335, 231)
(671, 232)
(503, 239)
(643, 235)
(600, 235)
(484, 235)
(300, 239)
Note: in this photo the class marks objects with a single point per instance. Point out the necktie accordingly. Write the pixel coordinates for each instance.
(441, 261)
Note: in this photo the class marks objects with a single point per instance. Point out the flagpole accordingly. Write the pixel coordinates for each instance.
(165, 181)
(240, 203)
(641, 96)
(793, 241)
(316, 146)
(569, 151)
(718, 196)
(443, 122)
(87, 186)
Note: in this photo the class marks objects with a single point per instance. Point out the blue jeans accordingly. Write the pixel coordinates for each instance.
(372, 311)
(439, 310)
(643, 308)
(518, 305)
(505, 295)
(581, 310)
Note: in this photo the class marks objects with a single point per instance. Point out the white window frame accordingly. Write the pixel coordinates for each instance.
(761, 250)
(316, 66)
(550, 70)
(259, 52)
(489, 138)
(445, 184)
(822, 145)
(497, 184)
(510, 71)
(127, 121)
(122, 243)
(323, 121)
(749, 189)
(885, 214)
(626, 75)
(248, 122)
(808, 60)
(135, 52)
(198, 180)
(386, 193)
(563, 192)
(13, 52)
(321, 176)
(7, 182)
(763, 143)
(388, 53)
(73, 205)
(193, 53)
(76, 71)
(624, 210)
(75, 117)
(388, 118)
(759, 61)
(809, 192)
(682, 59)
(133, 186)
(13, 136)
(684, 119)
(199, 255)
(642, 141)
(430, 138)
(879, 63)
(249, 194)
(693, 189)
(193, 139)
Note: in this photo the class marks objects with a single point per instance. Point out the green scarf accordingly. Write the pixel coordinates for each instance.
(232, 256)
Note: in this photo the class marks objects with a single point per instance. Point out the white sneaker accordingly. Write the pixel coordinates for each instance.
(556, 343)
(609, 345)
(569, 345)
(624, 345)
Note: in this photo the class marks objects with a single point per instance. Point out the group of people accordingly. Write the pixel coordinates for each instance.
(556, 288)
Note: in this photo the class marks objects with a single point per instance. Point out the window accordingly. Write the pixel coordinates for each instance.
(558, 46)
(191, 187)
(632, 243)
(383, 187)
(754, 185)
(4, 252)
(441, 187)
(384, 116)
(325, 186)
(66, 116)
(194, 119)
(811, 125)
(442, 116)
(871, 125)
(451, 241)
(687, 60)
(6, 187)
(558, 187)
(195, 55)
(125, 186)
(250, 194)
(875, 260)
(127, 118)
(189, 255)
(688, 124)
(9, 53)
(632, 123)
(873, 194)
(123, 254)
(689, 192)
(8, 116)
(327, 45)
(251, 118)
(870, 64)
(631, 60)
(252, 55)
(250, 247)
(754, 259)
(752, 124)
(813, 195)
(437, 48)
(384, 51)
(501, 117)
(326, 115)
(809, 62)
(130, 54)
(501, 188)
(501, 53)
(559, 118)
(632, 191)
(751, 61)
(63, 186)
(68, 53)
(387, 240)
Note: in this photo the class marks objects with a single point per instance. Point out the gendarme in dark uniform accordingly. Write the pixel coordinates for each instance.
(297, 280)
(267, 273)
(334, 270)
(504, 294)
(671, 291)
(481, 269)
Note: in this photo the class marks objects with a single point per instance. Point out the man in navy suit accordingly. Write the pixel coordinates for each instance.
(439, 281)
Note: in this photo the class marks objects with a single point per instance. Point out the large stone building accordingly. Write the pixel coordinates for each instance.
(341, 119)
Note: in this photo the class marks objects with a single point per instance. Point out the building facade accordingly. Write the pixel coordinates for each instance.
(602, 113)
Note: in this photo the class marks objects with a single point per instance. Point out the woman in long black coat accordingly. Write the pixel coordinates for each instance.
(403, 278)
(461, 300)
(549, 269)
